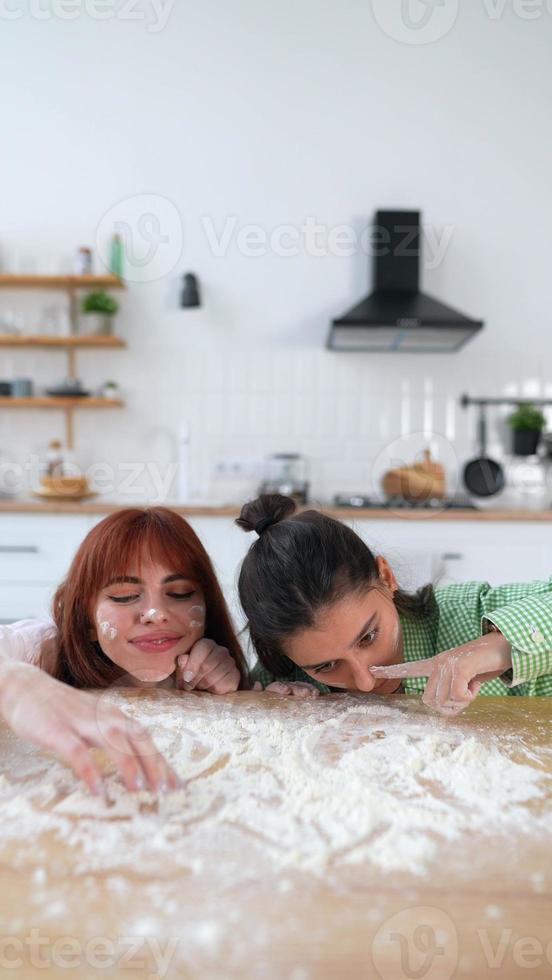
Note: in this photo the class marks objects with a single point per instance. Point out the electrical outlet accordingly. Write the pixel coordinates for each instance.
(238, 468)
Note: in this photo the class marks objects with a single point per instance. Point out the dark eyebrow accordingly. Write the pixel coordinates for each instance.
(356, 640)
(132, 580)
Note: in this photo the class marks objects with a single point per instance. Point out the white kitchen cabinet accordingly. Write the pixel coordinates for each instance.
(460, 551)
(36, 547)
(36, 550)
(35, 553)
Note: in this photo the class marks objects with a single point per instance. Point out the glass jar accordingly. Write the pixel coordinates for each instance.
(529, 481)
(286, 473)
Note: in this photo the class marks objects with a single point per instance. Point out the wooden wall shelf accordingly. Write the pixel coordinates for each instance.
(93, 341)
(8, 281)
(70, 284)
(49, 401)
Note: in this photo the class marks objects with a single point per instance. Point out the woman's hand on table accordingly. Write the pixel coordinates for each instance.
(70, 723)
(294, 689)
(455, 676)
(207, 667)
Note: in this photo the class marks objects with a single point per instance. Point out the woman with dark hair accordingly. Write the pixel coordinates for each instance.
(324, 611)
(136, 608)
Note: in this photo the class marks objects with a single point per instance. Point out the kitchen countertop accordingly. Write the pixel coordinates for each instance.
(482, 895)
(97, 506)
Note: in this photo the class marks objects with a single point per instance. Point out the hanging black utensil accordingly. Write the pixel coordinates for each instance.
(483, 476)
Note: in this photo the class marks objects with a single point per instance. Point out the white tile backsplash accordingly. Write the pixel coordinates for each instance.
(349, 415)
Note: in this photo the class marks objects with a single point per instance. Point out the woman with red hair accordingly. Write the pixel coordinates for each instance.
(136, 608)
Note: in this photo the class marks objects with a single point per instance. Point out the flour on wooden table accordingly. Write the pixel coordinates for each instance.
(305, 786)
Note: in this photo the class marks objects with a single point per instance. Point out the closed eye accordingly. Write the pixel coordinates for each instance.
(179, 596)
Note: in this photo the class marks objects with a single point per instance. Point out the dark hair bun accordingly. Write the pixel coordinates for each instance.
(269, 508)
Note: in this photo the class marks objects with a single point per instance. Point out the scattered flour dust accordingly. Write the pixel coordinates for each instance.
(307, 786)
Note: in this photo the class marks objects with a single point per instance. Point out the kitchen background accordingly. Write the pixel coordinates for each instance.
(199, 129)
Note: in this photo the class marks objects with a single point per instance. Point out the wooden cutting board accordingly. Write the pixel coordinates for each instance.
(484, 910)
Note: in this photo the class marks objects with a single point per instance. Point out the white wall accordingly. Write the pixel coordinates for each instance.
(273, 113)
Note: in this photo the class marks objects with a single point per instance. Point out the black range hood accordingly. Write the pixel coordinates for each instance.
(396, 316)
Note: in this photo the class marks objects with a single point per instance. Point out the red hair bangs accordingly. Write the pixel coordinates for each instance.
(125, 541)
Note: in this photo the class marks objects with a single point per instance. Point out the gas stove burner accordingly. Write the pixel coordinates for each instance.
(359, 501)
(354, 500)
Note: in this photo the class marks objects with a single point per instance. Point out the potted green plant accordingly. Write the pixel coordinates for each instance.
(98, 310)
(527, 423)
(109, 389)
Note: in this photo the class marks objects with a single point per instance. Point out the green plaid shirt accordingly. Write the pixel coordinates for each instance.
(521, 611)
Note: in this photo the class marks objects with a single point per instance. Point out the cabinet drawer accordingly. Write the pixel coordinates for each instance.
(494, 565)
(463, 551)
(38, 548)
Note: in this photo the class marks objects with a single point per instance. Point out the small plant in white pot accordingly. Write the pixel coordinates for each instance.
(109, 389)
(98, 310)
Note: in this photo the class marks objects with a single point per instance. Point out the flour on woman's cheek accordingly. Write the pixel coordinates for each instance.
(197, 614)
(107, 630)
(112, 631)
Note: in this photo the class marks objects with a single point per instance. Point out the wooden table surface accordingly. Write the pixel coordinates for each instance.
(483, 910)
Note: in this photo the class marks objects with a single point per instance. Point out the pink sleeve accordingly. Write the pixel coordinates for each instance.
(27, 639)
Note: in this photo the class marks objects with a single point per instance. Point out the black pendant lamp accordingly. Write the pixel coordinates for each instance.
(190, 297)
